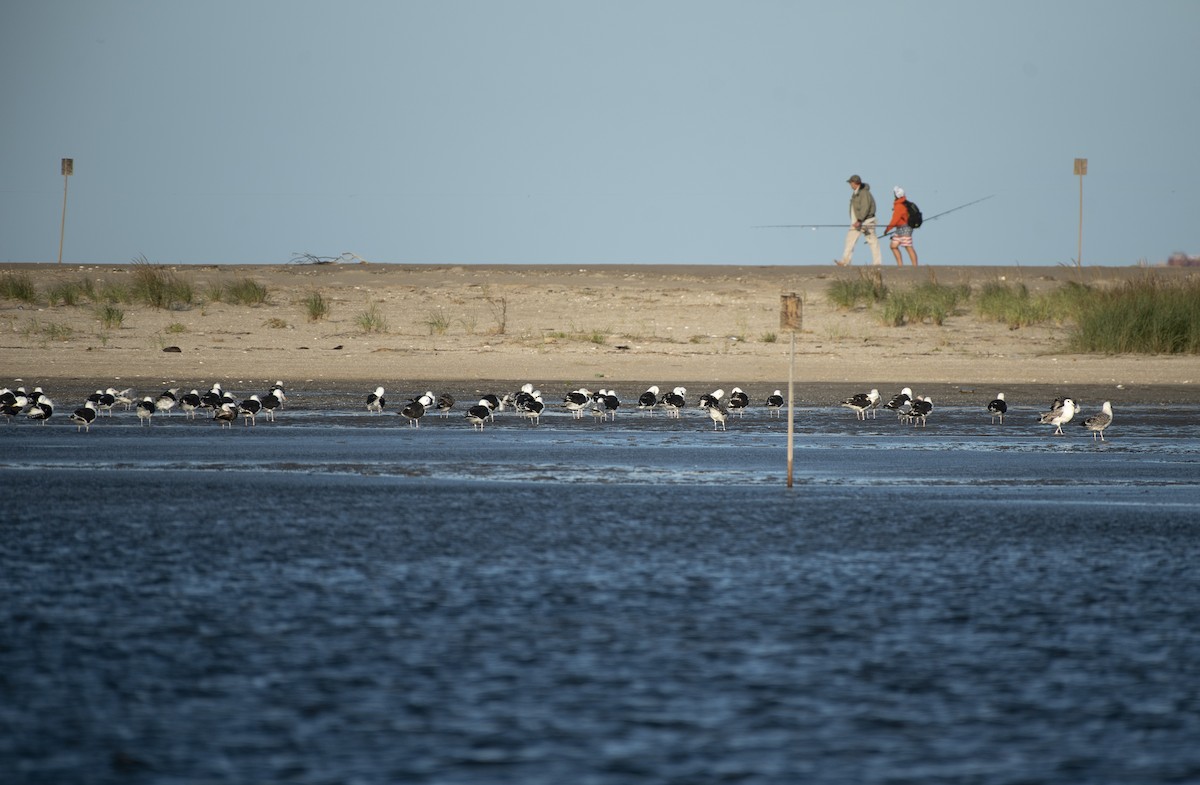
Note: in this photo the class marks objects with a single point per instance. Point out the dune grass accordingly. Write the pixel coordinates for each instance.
(371, 320)
(239, 291)
(110, 316)
(929, 301)
(316, 306)
(159, 287)
(18, 286)
(1144, 316)
(867, 289)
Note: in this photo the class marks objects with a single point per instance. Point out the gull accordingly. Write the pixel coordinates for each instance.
(861, 403)
(774, 403)
(1060, 417)
(1098, 422)
(997, 408)
(414, 410)
(84, 417)
(145, 410)
(738, 401)
(674, 401)
(375, 401)
(649, 399)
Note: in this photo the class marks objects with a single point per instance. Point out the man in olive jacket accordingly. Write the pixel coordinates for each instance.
(862, 222)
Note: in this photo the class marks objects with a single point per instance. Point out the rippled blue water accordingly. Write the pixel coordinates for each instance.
(340, 599)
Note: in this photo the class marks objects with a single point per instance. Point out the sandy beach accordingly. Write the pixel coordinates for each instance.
(595, 325)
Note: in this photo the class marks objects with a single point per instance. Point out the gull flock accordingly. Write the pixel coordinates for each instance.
(601, 405)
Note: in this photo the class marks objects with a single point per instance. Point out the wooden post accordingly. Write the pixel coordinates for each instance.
(1081, 170)
(68, 169)
(791, 318)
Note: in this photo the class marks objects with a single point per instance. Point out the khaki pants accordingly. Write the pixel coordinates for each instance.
(867, 231)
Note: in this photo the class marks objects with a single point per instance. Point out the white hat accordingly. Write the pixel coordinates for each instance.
(899, 192)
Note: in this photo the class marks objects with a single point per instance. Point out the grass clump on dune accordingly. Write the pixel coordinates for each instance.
(1147, 316)
(930, 301)
(240, 291)
(316, 306)
(867, 288)
(159, 287)
(18, 286)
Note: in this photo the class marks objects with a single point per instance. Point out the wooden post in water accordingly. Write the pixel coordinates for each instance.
(791, 317)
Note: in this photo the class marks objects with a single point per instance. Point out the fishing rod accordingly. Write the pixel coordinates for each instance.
(847, 226)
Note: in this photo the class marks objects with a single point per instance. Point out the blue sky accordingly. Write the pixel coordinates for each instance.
(571, 132)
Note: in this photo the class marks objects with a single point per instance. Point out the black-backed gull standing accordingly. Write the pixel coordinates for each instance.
(145, 410)
(414, 410)
(774, 403)
(1059, 417)
(998, 408)
(376, 401)
(84, 417)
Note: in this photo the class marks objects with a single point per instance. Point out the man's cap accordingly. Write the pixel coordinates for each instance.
(855, 179)
(899, 192)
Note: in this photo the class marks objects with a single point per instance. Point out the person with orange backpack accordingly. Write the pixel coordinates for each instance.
(905, 217)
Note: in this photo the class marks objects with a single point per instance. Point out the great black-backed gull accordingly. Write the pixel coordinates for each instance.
(189, 403)
(576, 400)
(711, 399)
(145, 410)
(414, 410)
(1098, 422)
(608, 403)
(478, 414)
(920, 409)
(674, 401)
(41, 408)
(998, 408)
(213, 398)
(531, 406)
(899, 401)
(774, 403)
(445, 402)
(376, 401)
(270, 402)
(649, 399)
(83, 418)
(738, 401)
(249, 409)
(862, 403)
(277, 391)
(107, 401)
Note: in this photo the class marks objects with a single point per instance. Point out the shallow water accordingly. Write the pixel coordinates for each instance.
(339, 598)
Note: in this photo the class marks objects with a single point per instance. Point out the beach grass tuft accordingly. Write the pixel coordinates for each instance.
(18, 286)
(1146, 315)
(371, 320)
(437, 323)
(110, 316)
(158, 287)
(316, 306)
(867, 289)
(926, 302)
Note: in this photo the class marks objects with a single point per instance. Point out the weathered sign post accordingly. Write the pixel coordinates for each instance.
(791, 318)
(1081, 170)
(68, 169)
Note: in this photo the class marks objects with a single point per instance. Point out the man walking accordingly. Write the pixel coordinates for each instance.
(903, 238)
(862, 222)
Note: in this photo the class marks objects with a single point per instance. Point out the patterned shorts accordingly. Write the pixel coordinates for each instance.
(902, 237)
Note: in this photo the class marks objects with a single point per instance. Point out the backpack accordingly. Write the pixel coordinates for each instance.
(914, 214)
